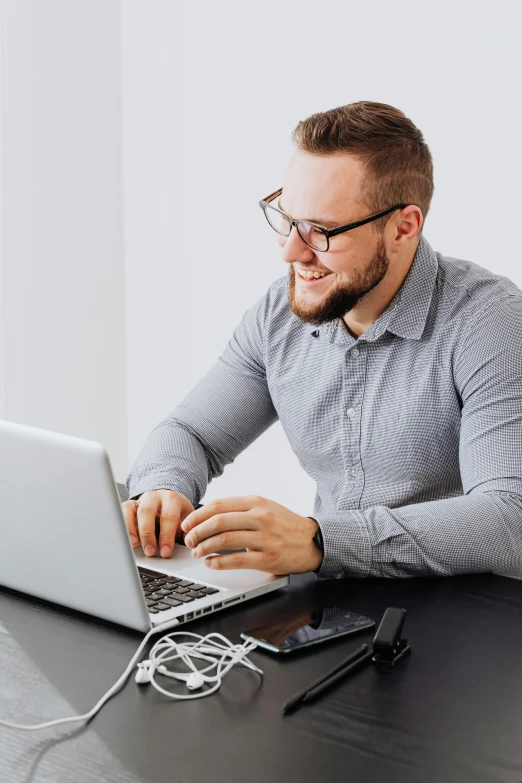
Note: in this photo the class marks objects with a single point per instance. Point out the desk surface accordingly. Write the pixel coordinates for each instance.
(451, 712)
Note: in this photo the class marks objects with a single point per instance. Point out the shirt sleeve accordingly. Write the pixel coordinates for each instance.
(481, 530)
(225, 412)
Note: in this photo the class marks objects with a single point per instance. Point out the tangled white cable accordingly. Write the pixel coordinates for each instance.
(228, 655)
(214, 649)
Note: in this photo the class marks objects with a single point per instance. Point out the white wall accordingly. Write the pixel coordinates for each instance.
(63, 267)
(2, 330)
(212, 92)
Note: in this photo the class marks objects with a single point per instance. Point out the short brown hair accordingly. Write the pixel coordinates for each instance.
(399, 167)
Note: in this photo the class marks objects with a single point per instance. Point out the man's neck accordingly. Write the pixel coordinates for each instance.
(375, 302)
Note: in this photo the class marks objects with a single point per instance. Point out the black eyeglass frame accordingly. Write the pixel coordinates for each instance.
(329, 232)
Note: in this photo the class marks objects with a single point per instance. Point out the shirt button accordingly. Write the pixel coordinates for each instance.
(340, 575)
(355, 352)
(350, 413)
(354, 471)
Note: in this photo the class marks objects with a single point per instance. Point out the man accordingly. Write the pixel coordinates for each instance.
(396, 374)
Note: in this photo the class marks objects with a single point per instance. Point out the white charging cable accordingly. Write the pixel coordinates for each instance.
(195, 679)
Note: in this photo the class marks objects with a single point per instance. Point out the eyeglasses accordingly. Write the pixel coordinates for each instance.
(315, 236)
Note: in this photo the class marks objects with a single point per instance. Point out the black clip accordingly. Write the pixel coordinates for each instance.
(388, 647)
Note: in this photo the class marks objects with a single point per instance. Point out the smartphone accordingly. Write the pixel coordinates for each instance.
(295, 633)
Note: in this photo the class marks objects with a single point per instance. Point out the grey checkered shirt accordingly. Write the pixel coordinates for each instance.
(412, 432)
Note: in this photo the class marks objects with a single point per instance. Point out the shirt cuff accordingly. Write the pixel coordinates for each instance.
(161, 481)
(347, 547)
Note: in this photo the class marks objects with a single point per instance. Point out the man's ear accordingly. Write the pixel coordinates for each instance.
(407, 227)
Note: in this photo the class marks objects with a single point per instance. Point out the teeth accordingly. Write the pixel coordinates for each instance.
(310, 275)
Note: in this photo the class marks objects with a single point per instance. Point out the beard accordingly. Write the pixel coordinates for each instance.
(344, 296)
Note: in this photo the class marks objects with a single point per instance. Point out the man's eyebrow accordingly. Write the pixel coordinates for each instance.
(325, 223)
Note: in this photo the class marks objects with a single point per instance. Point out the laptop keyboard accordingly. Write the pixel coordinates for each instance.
(163, 592)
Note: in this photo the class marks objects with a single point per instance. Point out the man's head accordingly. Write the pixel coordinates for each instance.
(351, 163)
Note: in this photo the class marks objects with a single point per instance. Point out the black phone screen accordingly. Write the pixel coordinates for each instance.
(294, 633)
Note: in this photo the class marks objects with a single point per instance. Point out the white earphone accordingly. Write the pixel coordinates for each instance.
(194, 681)
(142, 675)
(214, 648)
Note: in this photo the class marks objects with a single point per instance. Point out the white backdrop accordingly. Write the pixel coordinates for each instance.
(212, 93)
(63, 314)
(134, 128)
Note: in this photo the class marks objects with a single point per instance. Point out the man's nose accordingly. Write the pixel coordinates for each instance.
(295, 250)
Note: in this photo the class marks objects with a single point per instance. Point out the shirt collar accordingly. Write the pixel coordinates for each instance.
(413, 299)
(406, 314)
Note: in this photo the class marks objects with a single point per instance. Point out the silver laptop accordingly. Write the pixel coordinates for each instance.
(64, 539)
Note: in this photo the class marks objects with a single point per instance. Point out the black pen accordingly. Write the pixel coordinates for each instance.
(314, 693)
(301, 697)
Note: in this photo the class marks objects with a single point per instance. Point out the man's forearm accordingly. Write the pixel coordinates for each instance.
(479, 532)
(172, 458)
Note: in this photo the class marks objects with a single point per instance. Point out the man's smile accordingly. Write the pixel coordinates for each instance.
(311, 277)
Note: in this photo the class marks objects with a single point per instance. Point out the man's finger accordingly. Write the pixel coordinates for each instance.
(220, 523)
(219, 506)
(255, 560)
(169, 521)
(231, 539)
(129, 514)
(148, 510)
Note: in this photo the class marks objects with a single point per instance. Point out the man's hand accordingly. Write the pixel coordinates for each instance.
(277, 540)
(169, 507)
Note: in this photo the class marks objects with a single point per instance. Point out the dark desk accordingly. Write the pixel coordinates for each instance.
(451, 712)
